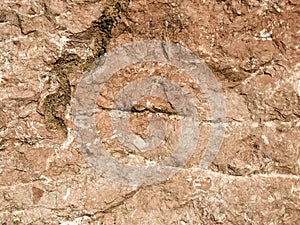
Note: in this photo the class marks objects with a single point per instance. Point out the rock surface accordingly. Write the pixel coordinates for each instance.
(251, 47)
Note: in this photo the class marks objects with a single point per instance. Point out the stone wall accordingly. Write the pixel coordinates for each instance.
(252, 51)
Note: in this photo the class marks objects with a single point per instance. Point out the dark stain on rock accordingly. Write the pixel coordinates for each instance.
(98, 35)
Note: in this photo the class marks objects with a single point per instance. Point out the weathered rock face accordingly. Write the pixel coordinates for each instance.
(251, 48)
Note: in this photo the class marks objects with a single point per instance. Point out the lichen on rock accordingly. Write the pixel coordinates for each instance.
(97, 38)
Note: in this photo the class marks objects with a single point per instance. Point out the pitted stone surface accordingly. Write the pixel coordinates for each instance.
(251, 46)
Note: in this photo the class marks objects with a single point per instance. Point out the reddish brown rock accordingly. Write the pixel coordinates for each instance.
(252, 48)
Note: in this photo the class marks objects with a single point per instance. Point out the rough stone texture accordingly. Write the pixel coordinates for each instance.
(251, 46)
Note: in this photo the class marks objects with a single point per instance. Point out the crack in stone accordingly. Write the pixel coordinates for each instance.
(118, 204)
